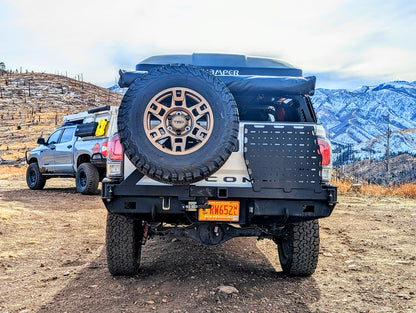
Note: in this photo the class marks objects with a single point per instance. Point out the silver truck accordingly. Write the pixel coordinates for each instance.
(77, 149)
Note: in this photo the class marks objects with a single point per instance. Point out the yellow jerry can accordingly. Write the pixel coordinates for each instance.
(101, 128)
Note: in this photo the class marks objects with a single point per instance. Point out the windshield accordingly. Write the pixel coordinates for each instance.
(53, 139)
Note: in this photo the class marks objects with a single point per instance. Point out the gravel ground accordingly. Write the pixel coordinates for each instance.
(52, 259)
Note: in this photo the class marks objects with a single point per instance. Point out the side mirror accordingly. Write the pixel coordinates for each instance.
(41, 141)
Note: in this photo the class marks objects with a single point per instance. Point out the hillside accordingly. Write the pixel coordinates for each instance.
(32, 105)
(402, 169)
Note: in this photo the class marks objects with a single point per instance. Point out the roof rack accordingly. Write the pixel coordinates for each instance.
(78, 118)
(100, 109)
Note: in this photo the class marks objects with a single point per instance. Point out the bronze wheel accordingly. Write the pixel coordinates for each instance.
(178, 121)
(178, 124)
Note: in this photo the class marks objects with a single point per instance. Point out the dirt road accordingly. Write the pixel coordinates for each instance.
(52, 259)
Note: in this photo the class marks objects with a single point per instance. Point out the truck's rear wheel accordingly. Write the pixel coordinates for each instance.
(34, 178)
(299, 248)
(124, 244)
(87, 179)
(178, 124)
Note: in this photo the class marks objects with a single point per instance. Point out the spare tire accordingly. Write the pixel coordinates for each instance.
(178, 124)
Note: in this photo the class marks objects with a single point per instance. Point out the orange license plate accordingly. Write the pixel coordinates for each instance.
(221, 211)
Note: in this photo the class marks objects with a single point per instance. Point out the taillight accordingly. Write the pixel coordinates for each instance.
(104, 149)
(325, 151)
(115, 151)
(96, 148)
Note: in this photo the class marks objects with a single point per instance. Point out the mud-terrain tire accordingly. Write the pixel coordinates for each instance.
(299, 249)
(87, 179)
(124, 244)
(34, 178)
(180, 149)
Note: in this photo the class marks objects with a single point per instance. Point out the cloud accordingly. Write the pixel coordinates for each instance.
(385, 62)
(98, 37)
(339, 80)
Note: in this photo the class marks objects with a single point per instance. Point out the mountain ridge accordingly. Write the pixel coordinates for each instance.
(360, 119)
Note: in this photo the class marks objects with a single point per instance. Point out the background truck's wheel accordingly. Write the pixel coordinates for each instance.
(299, 249)
(87, 179)
(34, 178)
(124, 244)
(178, 124)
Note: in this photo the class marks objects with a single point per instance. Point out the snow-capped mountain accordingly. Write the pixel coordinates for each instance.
(359, 120)
(117, 89)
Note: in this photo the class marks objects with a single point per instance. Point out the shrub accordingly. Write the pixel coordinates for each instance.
(406, 190)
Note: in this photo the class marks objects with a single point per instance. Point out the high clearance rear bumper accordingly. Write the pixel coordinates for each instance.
(267, 206)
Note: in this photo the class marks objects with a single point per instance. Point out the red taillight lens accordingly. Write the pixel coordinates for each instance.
(325, 151)
(104, 149)
(115, 151)
(96, 148)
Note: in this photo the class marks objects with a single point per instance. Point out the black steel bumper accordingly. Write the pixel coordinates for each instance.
(267, 206)
(98, 160)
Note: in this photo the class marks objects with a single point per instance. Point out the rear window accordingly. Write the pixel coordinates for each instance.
(272, 109)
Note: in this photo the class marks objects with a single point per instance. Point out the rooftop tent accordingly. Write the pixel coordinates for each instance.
(222, 64)
(242, 74)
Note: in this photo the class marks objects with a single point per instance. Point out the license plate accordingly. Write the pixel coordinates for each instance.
(221, 211)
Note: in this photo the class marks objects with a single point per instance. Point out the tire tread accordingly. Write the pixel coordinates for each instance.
(304, 243)
(172, 175)
(40, 179)
(93, 178)
(123, 244)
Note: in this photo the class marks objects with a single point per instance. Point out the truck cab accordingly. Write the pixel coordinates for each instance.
(55, 154)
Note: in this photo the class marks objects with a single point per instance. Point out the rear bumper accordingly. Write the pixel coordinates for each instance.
(267, 206)
(98, 160)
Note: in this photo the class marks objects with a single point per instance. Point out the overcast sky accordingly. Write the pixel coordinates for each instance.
(344, 43)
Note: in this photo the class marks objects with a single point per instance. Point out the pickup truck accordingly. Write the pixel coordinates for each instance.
(77, 149)
(212, 147)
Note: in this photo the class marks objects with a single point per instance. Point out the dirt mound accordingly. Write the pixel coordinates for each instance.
(33, 104)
